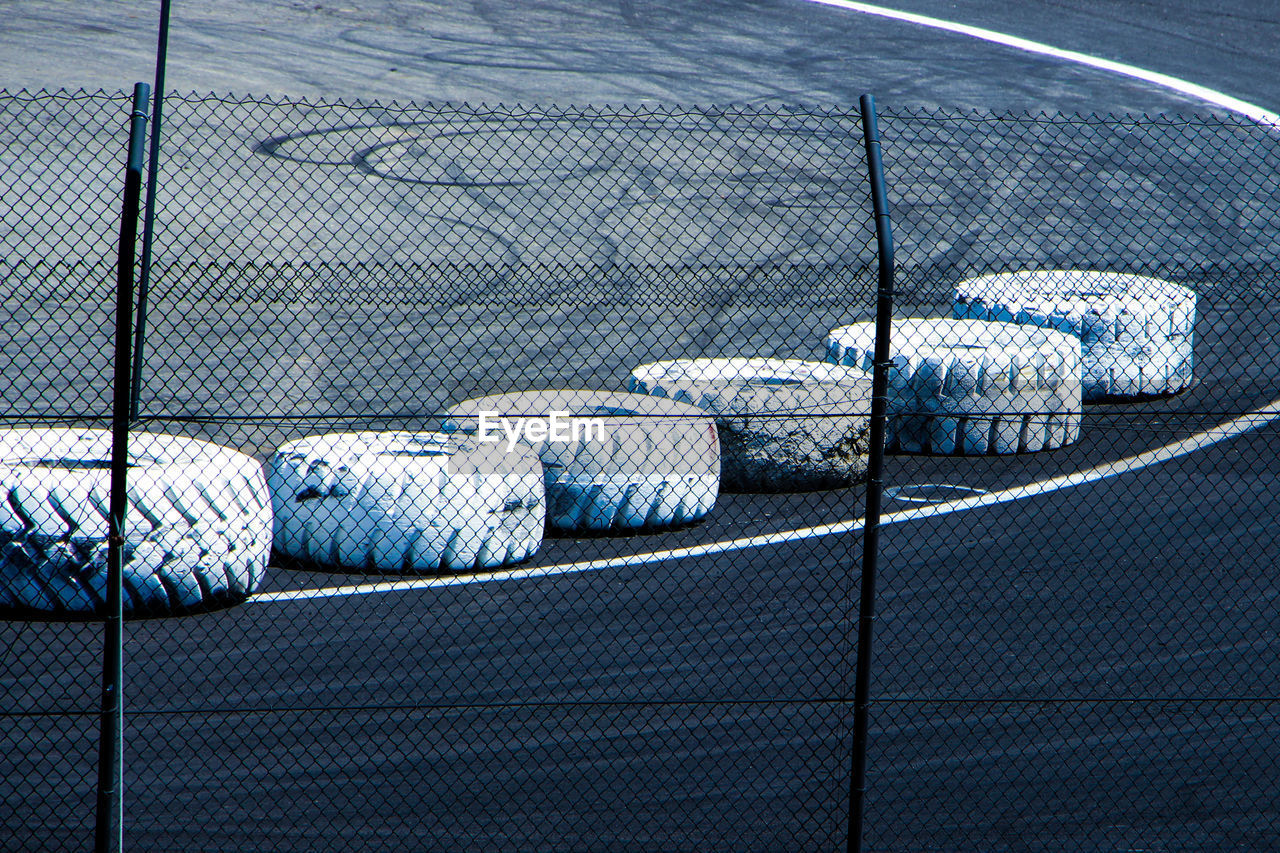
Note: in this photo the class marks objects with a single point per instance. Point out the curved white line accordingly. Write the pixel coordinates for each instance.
(1241, 425)
(1167, 81)
(1254, 420)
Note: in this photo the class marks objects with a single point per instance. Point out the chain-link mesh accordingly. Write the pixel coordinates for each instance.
(554, 424)
(60, 156)
(1090, 662)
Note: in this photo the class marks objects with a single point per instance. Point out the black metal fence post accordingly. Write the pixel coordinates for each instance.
(108, 830)
(149, 216)
(875, 468)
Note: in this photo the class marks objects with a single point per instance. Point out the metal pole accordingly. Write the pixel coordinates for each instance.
(875, 472)
(109, 828)
(149, 217)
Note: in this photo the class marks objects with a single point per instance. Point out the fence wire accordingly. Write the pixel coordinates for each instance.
(499, 473)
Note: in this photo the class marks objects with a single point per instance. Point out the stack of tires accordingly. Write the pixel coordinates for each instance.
(405, 503)
(1007, 373)
(479, 494)
(971, 387)
(611, 461)
(197, 533)
(1010, 370)
(785, 425)
(1135, 332)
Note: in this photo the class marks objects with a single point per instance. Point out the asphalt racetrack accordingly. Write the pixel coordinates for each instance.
(1085, 663)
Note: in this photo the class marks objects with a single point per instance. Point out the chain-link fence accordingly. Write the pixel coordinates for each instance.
(498, 479)
(1091, 664)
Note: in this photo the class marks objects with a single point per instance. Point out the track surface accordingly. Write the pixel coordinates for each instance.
(1101, 639)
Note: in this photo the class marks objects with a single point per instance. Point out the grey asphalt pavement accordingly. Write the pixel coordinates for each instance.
(1089, 668)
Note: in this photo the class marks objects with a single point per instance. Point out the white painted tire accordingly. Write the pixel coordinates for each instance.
(1136, 332)
(972, 387)
(405, 502)
(197, 523)
(785, 425)
(657, 464)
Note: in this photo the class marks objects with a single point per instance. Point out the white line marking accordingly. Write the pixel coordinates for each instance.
(1254, 420)
(1176, 84)
(1241, 425)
